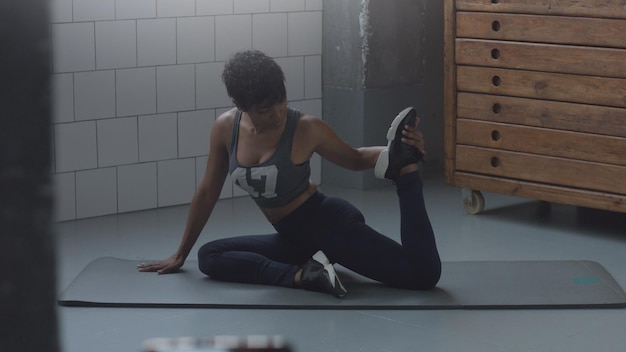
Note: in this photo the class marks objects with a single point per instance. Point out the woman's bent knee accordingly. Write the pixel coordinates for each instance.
(206, 255)
(427, 278)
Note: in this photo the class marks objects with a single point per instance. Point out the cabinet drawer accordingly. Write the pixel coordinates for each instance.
(542, 29)
(586, 8)
(539, 85)
(542, 57)
(544, 169)
(533, 140)
(543, 113)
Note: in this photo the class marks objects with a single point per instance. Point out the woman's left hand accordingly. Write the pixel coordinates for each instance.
(413, 137)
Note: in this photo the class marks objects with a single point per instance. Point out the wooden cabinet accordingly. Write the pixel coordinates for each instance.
(535, 100)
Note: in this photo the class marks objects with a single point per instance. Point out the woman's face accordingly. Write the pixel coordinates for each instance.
(270, 117)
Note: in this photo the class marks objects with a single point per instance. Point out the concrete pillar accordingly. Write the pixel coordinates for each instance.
(27, 270)
(380, 56)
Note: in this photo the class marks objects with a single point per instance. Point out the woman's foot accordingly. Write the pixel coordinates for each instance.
(398, 158)
(318, 274)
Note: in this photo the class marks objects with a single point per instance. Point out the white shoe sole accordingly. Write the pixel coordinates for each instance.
(321, 258)
(382, 164)
(391, 133)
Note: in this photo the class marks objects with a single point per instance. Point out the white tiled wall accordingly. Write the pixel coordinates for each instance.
(158, 139)
(137, 87)
(94, 95)
(116, 44)
(177, 181)
(135, 91)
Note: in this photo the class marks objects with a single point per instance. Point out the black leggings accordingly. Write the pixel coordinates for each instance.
(336, 227)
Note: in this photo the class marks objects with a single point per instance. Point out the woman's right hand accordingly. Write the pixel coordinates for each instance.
(167, 266)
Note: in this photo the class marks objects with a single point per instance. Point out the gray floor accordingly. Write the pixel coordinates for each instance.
(509, 229)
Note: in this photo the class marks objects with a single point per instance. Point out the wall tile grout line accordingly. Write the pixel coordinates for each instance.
(86, 109)
(117, 189)
(95, 48)
(195, 86)
(75, 195)
(136, 43)
(115, 90)
(138, 149)
(156, 90)
(157, 182)
(177, 135)
(97, 146)
(176, 40)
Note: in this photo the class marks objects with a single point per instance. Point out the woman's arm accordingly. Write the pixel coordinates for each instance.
(332, 148)
(203, 201)
(328, 145)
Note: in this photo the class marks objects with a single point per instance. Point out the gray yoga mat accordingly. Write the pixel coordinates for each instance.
(113, 282)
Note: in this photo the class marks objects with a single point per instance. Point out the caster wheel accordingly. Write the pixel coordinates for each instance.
(473, 201)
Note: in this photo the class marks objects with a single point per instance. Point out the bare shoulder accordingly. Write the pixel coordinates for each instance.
(308, 118)
(316, 134)
(224, 122)
(313, 126)
(226, 119)
(222, 128)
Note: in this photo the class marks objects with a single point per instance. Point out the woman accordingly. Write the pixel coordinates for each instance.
(266, 147)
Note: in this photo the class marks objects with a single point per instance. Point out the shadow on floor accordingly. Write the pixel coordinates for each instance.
(588, 221)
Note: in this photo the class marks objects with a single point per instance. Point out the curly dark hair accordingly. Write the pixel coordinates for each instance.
(254, 80)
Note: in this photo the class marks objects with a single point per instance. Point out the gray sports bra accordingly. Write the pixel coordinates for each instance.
(276, 181)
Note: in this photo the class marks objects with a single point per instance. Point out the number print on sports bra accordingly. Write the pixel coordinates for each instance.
(259, 181)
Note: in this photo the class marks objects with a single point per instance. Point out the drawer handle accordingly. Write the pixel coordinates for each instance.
(495, 26)
(495, 135)
(496, 80)
(495, 54)
(496, 108)
(495, 1)
(495, 162)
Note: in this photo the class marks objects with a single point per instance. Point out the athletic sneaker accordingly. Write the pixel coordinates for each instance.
(318, 274)
(397, 154)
